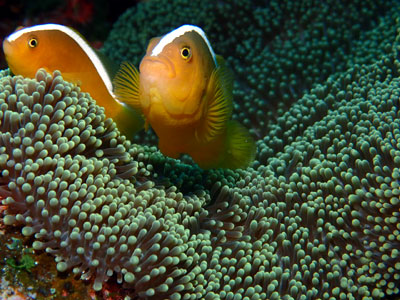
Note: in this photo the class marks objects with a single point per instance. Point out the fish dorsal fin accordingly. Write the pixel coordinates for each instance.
(19, 28)
(126, 85)
(219, 96)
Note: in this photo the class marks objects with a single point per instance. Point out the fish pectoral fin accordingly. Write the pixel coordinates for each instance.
(218, 109)
(126, 85)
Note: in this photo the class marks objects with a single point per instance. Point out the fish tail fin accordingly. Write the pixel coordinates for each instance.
(233, 149)
(240, 148)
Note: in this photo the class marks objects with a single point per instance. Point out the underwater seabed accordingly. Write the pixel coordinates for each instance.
(316, 216)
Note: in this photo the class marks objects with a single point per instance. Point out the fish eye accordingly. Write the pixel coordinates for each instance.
(33, 42)
(186, 53)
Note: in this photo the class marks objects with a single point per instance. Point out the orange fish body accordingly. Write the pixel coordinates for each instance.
(56, 47)
(185, 93)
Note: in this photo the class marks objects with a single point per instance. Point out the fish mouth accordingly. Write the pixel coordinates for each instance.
(159, 64)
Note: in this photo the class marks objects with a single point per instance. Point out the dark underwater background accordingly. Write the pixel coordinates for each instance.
(316, 216)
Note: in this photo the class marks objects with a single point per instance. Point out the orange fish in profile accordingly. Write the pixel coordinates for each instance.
(185, 93)
(57, 47)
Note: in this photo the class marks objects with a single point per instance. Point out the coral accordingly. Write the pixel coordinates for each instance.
(315, 217)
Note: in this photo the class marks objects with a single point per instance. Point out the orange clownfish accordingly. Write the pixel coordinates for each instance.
(185, 93)
(57, 47)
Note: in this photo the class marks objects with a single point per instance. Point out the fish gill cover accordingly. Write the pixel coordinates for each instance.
(316, 216)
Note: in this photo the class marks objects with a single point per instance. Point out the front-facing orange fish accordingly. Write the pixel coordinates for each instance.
(57, 47)
(185, 93)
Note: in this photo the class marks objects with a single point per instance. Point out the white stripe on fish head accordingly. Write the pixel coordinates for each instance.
(171, 36)
(79, 40)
